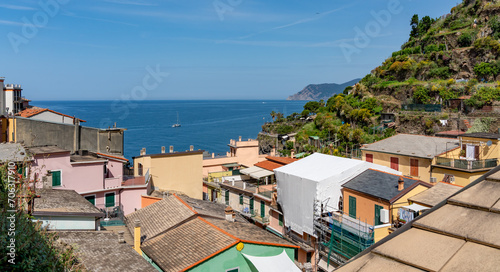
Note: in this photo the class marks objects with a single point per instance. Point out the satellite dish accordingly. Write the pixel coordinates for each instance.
(488, 143)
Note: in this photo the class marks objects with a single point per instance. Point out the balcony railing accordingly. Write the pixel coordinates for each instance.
(466, 164)
(112, 182)
(112, 215)
(263, 220)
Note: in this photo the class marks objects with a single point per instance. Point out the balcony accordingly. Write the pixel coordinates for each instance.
(112, 182)
(468, 165)
(263, 220)
(113, 216)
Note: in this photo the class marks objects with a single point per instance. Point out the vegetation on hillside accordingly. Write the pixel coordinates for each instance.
(455, 56)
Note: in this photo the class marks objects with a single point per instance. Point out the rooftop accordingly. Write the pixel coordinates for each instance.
(381, 185)
(12, 152)
(436, 194)
(176, 153)
(458, 234)
(272, 163)
(159, 217)
(413, 145)
(100, 251)
(483, 135)
(30, 112)
(193, 240)
(39, 150)
(63, 202)
(85, 159)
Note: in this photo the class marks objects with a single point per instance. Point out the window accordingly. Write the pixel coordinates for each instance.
(308, 258)
(414, 167)
(352, 206)
(91, 199)
(226, 197)
(296, 254)
(56, 178)
(369, 158)
(262, 209)
(377, 215)
(395, 163)
(110, 199)
(251, 205)
(236, 269)
(280, 219)
(140, 169)
(241, 199)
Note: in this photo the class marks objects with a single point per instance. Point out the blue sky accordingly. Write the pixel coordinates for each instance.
(214, 49)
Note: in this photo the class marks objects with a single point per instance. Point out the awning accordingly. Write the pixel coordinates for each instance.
(256, 172)
(230, 165)
(273, 263)
(416, 207)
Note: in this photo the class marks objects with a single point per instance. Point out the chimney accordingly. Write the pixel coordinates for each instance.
(401, 184)
(232, 182)
(162, 149)
(244, 185)
(213, 155)
(137, 236)
(171, 149)
(143, 151)
(230, 215)
(240, 138)
(121, 240)
(191, 148)
(292, 153)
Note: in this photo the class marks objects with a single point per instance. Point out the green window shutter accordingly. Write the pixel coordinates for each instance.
(110, 200)
(56, 178)
(377, 215)
(352, 206)
(251, 205)
(226, 197)
(241, 199)
(91, 199)
(280, 218)
(262, 209)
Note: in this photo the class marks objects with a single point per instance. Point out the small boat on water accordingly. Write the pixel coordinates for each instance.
(178, 124)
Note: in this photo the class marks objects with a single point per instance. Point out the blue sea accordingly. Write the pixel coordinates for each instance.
(208, 125)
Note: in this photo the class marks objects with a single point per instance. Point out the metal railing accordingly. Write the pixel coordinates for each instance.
(112, 215)
(467, 164)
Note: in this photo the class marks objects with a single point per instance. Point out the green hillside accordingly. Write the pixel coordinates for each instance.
(454, 56)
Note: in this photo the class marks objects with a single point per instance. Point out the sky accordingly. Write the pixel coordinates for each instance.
(197, 50)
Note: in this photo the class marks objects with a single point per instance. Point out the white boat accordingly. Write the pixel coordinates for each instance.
(178, 124)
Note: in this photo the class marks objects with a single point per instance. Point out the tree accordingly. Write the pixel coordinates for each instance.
(414, 26)
(312, 106)
(273, 115)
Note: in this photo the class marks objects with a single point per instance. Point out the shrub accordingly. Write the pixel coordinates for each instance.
(465, 40)
(439, 72)
(421, 94)
(483, 96)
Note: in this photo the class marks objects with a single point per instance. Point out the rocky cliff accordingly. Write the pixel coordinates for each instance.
(321, 91)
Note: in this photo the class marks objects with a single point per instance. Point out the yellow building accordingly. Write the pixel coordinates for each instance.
(173, 171)
(412, 155)
(476, 154)
(374, 197)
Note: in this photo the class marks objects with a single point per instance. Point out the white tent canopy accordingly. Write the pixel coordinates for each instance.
(316, 177)
(416, 207)
(256, 172)
(273, 263)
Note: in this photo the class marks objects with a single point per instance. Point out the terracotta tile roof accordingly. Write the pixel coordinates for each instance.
(30, 112)
(458, 234)
(195, 240)
(282, 160)
(100, 251)
(185, 245)
(268, 165)
(249, 232)
(159, 217)
(120, 158)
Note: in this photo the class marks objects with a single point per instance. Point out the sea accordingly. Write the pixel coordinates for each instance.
(207, 125)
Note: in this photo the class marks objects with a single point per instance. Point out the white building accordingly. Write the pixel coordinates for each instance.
(11, 99)
(318, 177)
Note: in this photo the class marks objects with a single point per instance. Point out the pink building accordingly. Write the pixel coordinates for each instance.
(96, 176)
